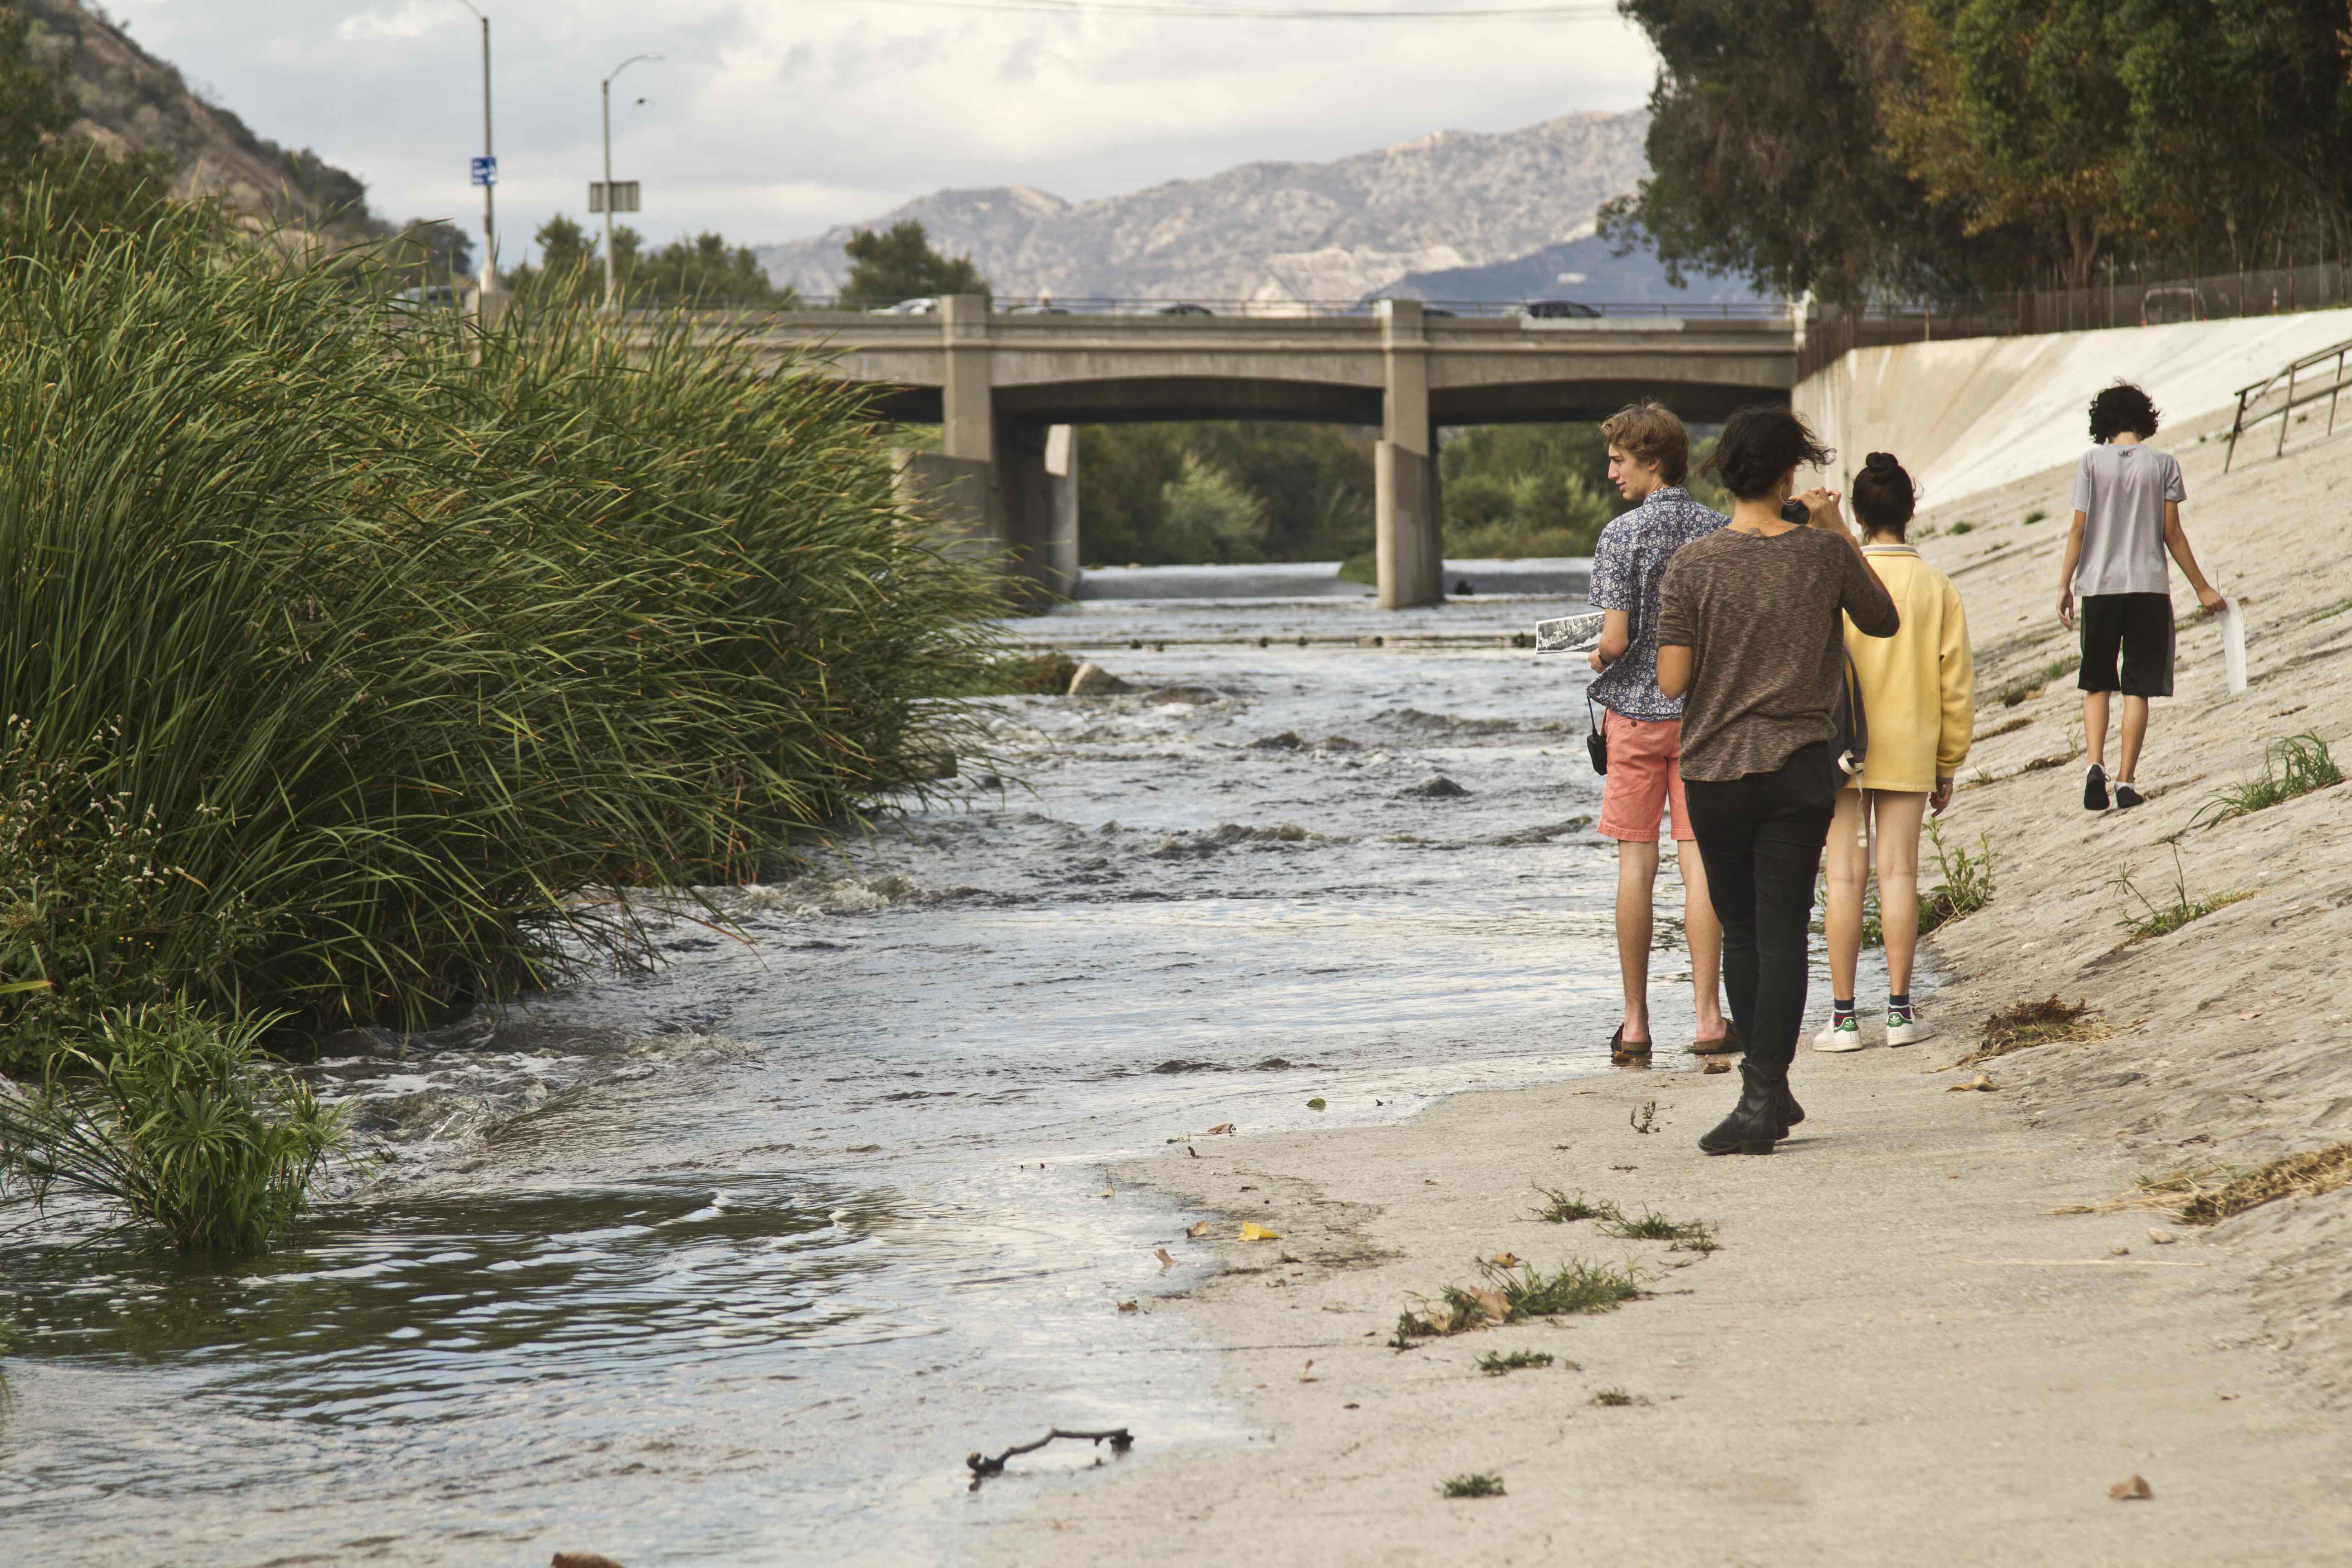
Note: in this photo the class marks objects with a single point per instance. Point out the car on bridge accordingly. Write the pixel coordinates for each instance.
(1556, 310)
(1181, 309)
(926, 306)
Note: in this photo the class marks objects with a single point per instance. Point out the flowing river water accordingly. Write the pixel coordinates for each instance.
(734, 1260)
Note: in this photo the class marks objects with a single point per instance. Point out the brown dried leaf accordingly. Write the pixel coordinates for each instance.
(1715, 1064)
(1979, 1083)
(1307, 1372)
(1127, 1306)
(2132, 1490)
(1198, 1228)
(1225, 1127)
(1165, 1261)
(1492, 1303)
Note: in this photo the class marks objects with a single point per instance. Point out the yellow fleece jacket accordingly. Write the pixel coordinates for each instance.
(1919, 686)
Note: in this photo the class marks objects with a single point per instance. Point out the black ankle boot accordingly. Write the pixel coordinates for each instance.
(1752, 1125)
(1785, 1109)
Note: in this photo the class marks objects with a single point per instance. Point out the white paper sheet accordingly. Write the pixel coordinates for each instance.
(2234, 647)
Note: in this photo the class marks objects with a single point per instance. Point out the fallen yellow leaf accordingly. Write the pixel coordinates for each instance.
(1507, 1260)
(1978, 1082)
(1254, 1232)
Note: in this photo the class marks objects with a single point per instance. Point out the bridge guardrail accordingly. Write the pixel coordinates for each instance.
(1073, 305)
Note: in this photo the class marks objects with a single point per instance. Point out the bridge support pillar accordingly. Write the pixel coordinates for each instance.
(1037, 505)
(1407, 541)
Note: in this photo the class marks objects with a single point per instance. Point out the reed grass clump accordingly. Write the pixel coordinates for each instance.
(168, 1117)
(359, 666)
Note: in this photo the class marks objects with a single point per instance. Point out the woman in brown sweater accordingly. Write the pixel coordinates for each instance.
(1751, 622)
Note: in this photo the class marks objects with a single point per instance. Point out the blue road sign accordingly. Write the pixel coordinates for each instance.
(485, 171)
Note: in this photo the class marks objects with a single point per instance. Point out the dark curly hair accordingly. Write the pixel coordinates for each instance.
(1882, 495)
(1759, 444)
(2122, 407)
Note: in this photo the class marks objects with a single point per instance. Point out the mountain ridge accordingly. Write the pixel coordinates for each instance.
(1271, 230)
(131, 98)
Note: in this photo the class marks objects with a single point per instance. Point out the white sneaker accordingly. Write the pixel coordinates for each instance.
(1910, 1031)
(1839, 1034)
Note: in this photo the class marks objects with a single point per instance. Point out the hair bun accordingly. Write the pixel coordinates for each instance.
(1881, 462)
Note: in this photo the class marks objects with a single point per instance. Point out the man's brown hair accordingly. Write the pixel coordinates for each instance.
(1652, 434)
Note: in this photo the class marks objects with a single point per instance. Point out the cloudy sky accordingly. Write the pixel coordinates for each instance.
(769, 120)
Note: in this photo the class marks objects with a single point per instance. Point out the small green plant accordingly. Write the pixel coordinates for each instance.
(1514, 1295)
(169, 1116)
(1611, 1398)
(11, 1335)
(1966, 886)
(1478, 1483)
(1495, 1365)
(2037, 515)
(1688, 1235)
(2294, 767)
(2154, 919)
(1964, 527)
(1560, 1209)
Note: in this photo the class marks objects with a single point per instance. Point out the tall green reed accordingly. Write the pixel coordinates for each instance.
(370, 660)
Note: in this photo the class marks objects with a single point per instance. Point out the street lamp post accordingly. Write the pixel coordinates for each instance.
(490, 283)
(605, 89)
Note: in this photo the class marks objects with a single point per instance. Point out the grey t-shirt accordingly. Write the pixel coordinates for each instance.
(1768, 649)
(2121, 492)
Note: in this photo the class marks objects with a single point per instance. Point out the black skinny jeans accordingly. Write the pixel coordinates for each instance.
(1761, 836)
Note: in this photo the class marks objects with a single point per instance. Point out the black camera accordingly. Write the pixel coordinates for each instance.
(1793, 510)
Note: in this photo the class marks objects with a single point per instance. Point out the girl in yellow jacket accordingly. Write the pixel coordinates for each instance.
(1918, 696)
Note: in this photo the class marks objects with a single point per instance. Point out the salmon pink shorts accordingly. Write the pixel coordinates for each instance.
(1645, 777)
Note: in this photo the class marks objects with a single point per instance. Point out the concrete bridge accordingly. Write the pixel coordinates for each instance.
(1006, 389)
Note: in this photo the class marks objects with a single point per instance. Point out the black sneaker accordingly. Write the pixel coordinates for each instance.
(2127, 797)
(2095, 788)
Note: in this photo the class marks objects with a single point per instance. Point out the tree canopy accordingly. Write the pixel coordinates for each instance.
(1944, 148)
(704, 270)
(898, 263)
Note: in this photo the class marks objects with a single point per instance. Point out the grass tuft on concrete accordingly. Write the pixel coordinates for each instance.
(1494, 1363)
(1613, 1398)
(1688, 1235)
(2153, 919)
(2294, 767)
(1476, 1483)
(1560, 1209)
(2021, 1026)
(1515, 1295)
(2306, 1175)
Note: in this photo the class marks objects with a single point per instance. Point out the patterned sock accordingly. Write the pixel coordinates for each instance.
(1899, 1003)
(1841, 1008)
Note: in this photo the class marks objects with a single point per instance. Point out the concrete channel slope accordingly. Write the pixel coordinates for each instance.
(1905, 1350)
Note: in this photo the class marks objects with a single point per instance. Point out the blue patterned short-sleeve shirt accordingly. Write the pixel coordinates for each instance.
(1627, 565)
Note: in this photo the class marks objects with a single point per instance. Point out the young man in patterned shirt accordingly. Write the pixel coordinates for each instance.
(1649, 455)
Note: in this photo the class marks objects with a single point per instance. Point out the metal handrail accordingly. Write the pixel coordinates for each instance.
(2260, 389)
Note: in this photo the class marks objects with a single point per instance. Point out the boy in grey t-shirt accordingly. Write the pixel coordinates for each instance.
(2127, 498)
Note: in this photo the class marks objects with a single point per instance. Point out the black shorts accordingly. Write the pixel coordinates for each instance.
(2140, 626)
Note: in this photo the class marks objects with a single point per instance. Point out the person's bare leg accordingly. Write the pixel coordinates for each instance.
(2135, 736)
(1637, 875)
(1841, 911)
(1704, 933)
(2094, 727)
(1897, 815)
